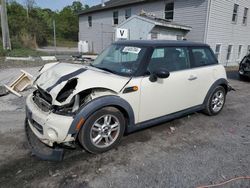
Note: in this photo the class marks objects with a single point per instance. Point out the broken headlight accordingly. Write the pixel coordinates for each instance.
(68, 109)
(67, 90)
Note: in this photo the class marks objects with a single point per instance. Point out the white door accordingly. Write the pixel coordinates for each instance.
(173, 94)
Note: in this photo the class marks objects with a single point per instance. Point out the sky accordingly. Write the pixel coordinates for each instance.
(59, 4)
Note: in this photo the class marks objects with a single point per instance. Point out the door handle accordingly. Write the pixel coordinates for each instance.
(192, 77)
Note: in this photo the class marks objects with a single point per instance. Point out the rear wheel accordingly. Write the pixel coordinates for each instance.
(216, 101)
(103, 130)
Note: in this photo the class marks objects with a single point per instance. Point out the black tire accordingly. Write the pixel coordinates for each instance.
(209, 110)
(85, 135)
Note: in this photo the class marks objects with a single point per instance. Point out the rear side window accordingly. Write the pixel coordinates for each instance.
(170, 58)
(202, 57)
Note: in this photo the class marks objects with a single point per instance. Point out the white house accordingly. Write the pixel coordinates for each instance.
(223, 24)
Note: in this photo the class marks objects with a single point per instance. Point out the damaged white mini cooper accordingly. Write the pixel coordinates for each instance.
(130, 86)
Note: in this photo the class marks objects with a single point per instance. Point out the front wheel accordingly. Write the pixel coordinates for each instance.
(216, 101)
(103, 130)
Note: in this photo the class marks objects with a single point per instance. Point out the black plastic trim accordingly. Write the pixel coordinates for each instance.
(37, 147)
(163, 119)
(221, 81)
(99, 103)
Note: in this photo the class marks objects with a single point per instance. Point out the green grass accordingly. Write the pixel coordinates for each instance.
(63, 43)
(21, 52)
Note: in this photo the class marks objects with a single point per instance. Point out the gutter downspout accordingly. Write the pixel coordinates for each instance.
(207, 20)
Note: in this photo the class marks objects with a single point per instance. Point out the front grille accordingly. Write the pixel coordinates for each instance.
(43, 100)
(37, 126)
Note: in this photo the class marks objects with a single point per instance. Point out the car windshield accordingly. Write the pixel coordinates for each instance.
(120, 59)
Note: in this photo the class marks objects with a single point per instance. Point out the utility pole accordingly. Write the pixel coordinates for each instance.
(54, 26)
(5, 27)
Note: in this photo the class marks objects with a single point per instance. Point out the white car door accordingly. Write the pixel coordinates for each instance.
(177, 92)
(206, 69)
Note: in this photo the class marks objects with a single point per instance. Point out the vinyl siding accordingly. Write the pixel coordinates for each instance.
(102, 32)
(187, 12)
(141, 31)
(222, 31)
(192, 13)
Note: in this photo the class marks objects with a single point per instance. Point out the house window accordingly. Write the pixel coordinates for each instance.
(115, 17)
(127, 13)
(154, 36)
(169, 11)
(229, 52)
(217, 50)
(239, 51)
(179, 37)
(90, 21)
(245, 16)
(235, 13)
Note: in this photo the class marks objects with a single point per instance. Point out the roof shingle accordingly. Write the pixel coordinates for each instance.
(112, 4)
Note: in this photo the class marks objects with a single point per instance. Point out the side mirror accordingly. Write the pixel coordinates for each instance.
(161, 73)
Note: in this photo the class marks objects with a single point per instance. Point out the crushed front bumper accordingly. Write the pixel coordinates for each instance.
(37, 125)
(41, 150)
(42, 122)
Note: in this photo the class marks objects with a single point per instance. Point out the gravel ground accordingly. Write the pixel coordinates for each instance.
(188, 152)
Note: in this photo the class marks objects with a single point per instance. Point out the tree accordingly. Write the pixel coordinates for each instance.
(29, 5)
(67, 21)
(77, 6)
(36, 29)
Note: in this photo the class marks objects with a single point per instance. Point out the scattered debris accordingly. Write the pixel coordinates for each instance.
(84, 59)
(22, 82)
(56, 174)
(223, 177)
(98, 171)
(3, 91)
(18, 172)
(172, 129)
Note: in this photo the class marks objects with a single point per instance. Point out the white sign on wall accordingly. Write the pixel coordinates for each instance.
(121, 33)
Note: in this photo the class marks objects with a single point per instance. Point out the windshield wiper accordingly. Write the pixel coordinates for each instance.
(103, 68)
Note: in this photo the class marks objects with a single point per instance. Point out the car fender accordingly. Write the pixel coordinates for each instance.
(218, 82)
(98, 103)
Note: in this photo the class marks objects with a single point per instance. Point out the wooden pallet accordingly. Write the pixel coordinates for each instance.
(22, 82)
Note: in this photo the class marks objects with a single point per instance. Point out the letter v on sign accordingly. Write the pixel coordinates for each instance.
(121, 33)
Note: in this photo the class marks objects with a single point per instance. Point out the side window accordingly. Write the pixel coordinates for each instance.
(170, 58)
(158, 53)
(202, 57)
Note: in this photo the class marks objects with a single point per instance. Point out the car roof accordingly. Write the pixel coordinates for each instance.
(157, 43)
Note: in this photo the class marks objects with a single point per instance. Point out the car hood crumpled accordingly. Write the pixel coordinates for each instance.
(55, 78)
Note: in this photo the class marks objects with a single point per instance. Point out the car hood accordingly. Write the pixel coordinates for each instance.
(56, 77)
